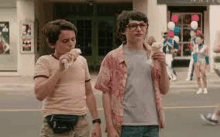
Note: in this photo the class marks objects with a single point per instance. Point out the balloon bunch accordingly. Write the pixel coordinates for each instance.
(194, 24)
(174, 30)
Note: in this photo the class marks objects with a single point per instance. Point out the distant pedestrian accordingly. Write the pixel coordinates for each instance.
(214, 118)
(201, 62)
(170, 48)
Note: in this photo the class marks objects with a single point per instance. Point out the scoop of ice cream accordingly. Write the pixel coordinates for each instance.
(75, 50)
(151, 40)
(65, 62)
(157, 47)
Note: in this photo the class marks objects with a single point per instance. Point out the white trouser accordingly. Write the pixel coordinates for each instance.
(169, 59)
(190, 66)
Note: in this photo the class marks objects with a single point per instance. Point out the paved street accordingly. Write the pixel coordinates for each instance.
(21, 117)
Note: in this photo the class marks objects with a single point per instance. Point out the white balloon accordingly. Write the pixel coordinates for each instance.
(171, 25)
(194, 25)
(176, 38)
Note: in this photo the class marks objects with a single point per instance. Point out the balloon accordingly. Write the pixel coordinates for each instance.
(195, 17)
(175, 18)
(194, 25)
(170, 34)
(177, 30)
(176, 38)
(171, 25)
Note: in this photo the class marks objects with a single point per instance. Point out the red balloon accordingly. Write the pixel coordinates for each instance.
(170, 34)
(195, 17)
(175, 18)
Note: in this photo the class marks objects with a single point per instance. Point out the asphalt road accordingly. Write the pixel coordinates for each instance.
(20, 114)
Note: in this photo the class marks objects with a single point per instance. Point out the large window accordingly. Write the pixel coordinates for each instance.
(185, 46)
(96, 24)
(184, 23)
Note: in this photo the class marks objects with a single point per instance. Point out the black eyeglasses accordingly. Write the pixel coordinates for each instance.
(134, 26)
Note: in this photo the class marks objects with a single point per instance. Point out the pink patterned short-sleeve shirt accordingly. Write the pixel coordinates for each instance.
(112, 78)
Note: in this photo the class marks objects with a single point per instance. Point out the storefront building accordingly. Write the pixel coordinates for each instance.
(21, 22)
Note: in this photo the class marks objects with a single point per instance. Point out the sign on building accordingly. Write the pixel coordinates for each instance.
(27, 39)
(4, 38)
(189, 2)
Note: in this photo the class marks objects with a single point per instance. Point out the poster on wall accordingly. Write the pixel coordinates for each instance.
(4, 38)
(27, 40)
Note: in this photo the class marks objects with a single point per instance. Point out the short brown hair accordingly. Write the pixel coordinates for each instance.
(52, 29)
(123, 20)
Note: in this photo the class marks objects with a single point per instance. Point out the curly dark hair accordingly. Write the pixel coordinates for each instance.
(52, 30)
(123, 20)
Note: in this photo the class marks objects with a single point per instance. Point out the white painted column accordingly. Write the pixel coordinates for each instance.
(162, 19)
(25, 11)
(157, 16)
(214, 22)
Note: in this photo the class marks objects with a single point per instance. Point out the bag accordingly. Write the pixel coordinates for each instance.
(62, 123)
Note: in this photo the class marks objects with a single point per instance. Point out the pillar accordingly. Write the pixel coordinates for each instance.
(25, 11)
(214, 10)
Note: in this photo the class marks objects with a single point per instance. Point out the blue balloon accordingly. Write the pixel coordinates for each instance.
(176, 30)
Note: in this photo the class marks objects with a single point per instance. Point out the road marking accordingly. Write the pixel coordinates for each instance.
(101, 109)
(186, 107)
(193, 86)
(17, 110)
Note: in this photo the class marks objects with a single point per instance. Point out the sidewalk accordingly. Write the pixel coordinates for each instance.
(13, 82)
(213, 80)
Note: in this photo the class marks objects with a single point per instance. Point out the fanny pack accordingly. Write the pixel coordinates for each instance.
(62, 123)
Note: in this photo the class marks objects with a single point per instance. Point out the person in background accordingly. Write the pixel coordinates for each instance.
(191, 64)
(131, 86)
(214, 117)
(65, 92)
(201, 62)
(170, 47)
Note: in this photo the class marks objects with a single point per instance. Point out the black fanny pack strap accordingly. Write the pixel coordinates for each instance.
(62, 123)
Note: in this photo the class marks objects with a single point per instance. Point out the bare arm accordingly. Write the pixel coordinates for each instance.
(44, 86)
(107, 109)
(90, 100)
(111, 131)
(164, 83)
(91, 103)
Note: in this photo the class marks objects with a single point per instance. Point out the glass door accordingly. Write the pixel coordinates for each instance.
(84, 35)
(106, 34)
(104, 37)
(95, 37)
(184, 35)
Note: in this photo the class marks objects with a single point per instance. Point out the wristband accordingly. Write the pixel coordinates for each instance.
(97, 121)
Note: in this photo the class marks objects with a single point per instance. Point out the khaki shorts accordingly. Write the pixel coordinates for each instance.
(81, 129)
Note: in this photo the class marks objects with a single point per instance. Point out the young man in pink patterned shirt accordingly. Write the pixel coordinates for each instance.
(131, 85)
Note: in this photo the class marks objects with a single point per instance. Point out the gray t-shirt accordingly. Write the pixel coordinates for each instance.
(139, 100)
